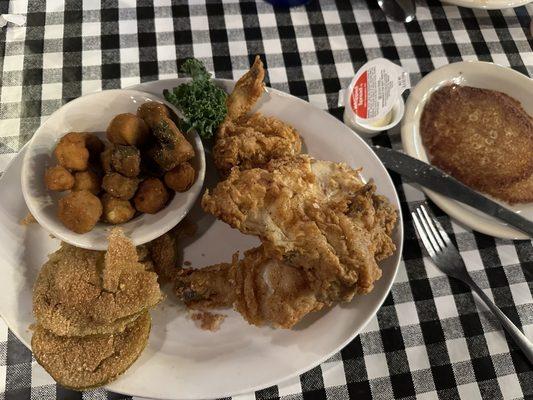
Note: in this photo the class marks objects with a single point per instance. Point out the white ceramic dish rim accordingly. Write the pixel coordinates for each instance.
(159, 227)
(371, 313)
(488, 4)
(417, 98)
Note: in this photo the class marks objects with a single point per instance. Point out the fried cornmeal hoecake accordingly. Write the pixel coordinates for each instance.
(83, 292)
(251, 140)
(86, 362)
(323, 231)
(482, 137)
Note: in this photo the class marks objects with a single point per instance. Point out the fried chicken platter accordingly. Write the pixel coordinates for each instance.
(286, 255)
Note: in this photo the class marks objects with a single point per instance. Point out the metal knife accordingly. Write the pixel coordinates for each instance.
(439, 181)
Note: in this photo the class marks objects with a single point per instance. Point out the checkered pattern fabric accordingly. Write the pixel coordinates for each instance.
(432, 338)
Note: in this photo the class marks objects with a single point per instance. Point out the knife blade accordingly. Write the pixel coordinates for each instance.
(439, 181)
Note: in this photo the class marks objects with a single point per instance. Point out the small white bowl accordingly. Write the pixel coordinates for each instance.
(92, 113)
(368, 131)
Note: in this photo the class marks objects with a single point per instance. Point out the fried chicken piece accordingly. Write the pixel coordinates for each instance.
(84, 292)
(251, 141)
(85, 362)
(164, 251)
(300, 209)
(206, 288)
(265, 291)
(247, 91)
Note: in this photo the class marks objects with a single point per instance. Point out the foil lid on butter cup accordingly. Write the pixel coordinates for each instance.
(374, 91)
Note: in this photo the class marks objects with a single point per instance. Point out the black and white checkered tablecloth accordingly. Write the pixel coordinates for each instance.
(431, 339)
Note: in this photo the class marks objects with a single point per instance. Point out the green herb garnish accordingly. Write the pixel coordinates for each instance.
(202, 103)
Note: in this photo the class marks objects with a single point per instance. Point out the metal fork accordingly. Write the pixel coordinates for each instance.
(447, 258)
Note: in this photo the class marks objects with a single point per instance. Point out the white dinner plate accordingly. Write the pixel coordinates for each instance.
(181, 361)
(488, 4)
(478, 74)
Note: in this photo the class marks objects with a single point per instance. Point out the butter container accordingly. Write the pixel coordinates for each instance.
(373, 102)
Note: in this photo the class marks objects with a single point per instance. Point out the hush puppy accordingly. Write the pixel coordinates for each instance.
(151, 196)
(87, 180)
(127, 129)
(151, 112)
(180, 178)
(126, 160)
(58, 178)
(119, 186)
(80, 211)
(117, 211)
(71, 152)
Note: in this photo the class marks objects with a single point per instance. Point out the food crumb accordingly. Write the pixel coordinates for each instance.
(207, 321)
(187, 227)
(28, 220)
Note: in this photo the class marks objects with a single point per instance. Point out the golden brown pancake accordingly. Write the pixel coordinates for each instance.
(83, 292)
(85, 362)
(482, 137)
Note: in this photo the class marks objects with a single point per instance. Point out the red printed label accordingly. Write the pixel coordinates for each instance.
(359, 96)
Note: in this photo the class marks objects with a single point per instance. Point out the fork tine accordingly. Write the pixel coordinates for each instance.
(423, 235)
(439, 227)
(431, 222)
(428, 230)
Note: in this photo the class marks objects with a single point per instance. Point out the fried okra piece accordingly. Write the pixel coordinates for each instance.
(80, 211)
(126, 160)
(105, 158)
(171, 147)
(116, 211)
(87, 180)
(119, 186)
(127, 129)
(151, 196)
(181, 177)
(151, 112)
(71, 152)
(58, 179)
(94, 145)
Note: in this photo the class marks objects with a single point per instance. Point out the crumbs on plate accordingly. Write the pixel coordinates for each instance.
(207, 321)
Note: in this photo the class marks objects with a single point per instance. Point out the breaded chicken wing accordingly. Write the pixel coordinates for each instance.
(248, 141)
(247, 91)
(322, 229)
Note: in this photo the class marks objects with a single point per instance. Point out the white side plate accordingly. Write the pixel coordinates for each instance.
(488, 4)
(477, 74)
